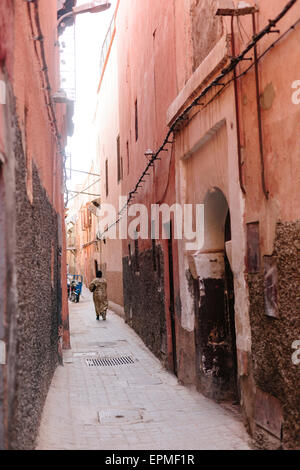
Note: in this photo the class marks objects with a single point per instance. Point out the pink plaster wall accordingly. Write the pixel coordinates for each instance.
(18, 54)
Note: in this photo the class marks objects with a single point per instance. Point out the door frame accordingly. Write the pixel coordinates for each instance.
(171, 323)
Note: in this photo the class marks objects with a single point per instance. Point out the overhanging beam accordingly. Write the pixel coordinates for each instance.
(236, 11)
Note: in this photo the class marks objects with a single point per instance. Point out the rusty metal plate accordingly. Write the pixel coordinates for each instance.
(143, 381)
(271, 286)
(107, 344)
(268, 413)
(236, 11)
(120, 416)
(253, 248)
(84, 354)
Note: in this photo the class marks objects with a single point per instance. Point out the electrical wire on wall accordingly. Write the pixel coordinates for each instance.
(85, 189)
(198, 101)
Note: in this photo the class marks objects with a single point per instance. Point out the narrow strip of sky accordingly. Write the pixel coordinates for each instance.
(90, 31)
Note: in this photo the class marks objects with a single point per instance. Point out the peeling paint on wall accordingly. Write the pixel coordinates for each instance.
(207, 28)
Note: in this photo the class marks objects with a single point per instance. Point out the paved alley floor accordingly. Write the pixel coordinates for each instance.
(126, 406)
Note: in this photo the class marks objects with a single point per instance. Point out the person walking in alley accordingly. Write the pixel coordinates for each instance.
(99, 288)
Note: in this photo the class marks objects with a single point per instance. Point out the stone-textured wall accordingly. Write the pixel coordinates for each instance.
(37, 317)
(144, 299)
(272, 338)
(207, 28)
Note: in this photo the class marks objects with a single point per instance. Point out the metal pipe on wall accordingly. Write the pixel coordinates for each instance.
(237, 110)
(259, 117)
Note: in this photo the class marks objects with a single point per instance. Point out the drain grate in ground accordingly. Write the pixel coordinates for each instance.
(109, 361)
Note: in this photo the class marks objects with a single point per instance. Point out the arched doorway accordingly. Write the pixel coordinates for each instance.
(216, 363)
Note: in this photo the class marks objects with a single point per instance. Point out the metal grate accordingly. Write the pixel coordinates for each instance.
(109, 361)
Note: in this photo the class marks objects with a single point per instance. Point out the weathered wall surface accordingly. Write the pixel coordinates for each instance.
(186, 353)
(144, 300)
(146, 61)
(278, 215)
(269, 399)
(38, 306)
(8, 243)
(31, 237)
(272, 338)
(207, 29)
(147, 85)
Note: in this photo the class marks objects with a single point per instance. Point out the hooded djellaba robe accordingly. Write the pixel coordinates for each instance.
(99, 289)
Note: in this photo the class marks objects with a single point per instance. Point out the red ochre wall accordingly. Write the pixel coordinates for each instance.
(33, 281)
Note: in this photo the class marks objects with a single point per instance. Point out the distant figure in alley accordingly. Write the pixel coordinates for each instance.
(99, 288)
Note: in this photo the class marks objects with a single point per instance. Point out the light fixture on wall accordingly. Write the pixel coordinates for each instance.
(149, 154)
(60, 96)
(227, 8)
(90, 7)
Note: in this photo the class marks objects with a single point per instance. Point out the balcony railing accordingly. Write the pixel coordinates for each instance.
(107, 43)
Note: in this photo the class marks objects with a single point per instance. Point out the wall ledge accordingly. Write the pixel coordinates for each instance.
(215, 60)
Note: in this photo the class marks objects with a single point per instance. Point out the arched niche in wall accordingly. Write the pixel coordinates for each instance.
(214, 317)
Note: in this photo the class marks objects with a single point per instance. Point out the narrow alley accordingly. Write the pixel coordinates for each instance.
(149, 171)
(128, 406)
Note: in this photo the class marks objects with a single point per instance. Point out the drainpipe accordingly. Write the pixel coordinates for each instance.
(237, 111)
(261, 145)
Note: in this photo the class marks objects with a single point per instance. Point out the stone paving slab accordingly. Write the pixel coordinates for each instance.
(144, 406)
